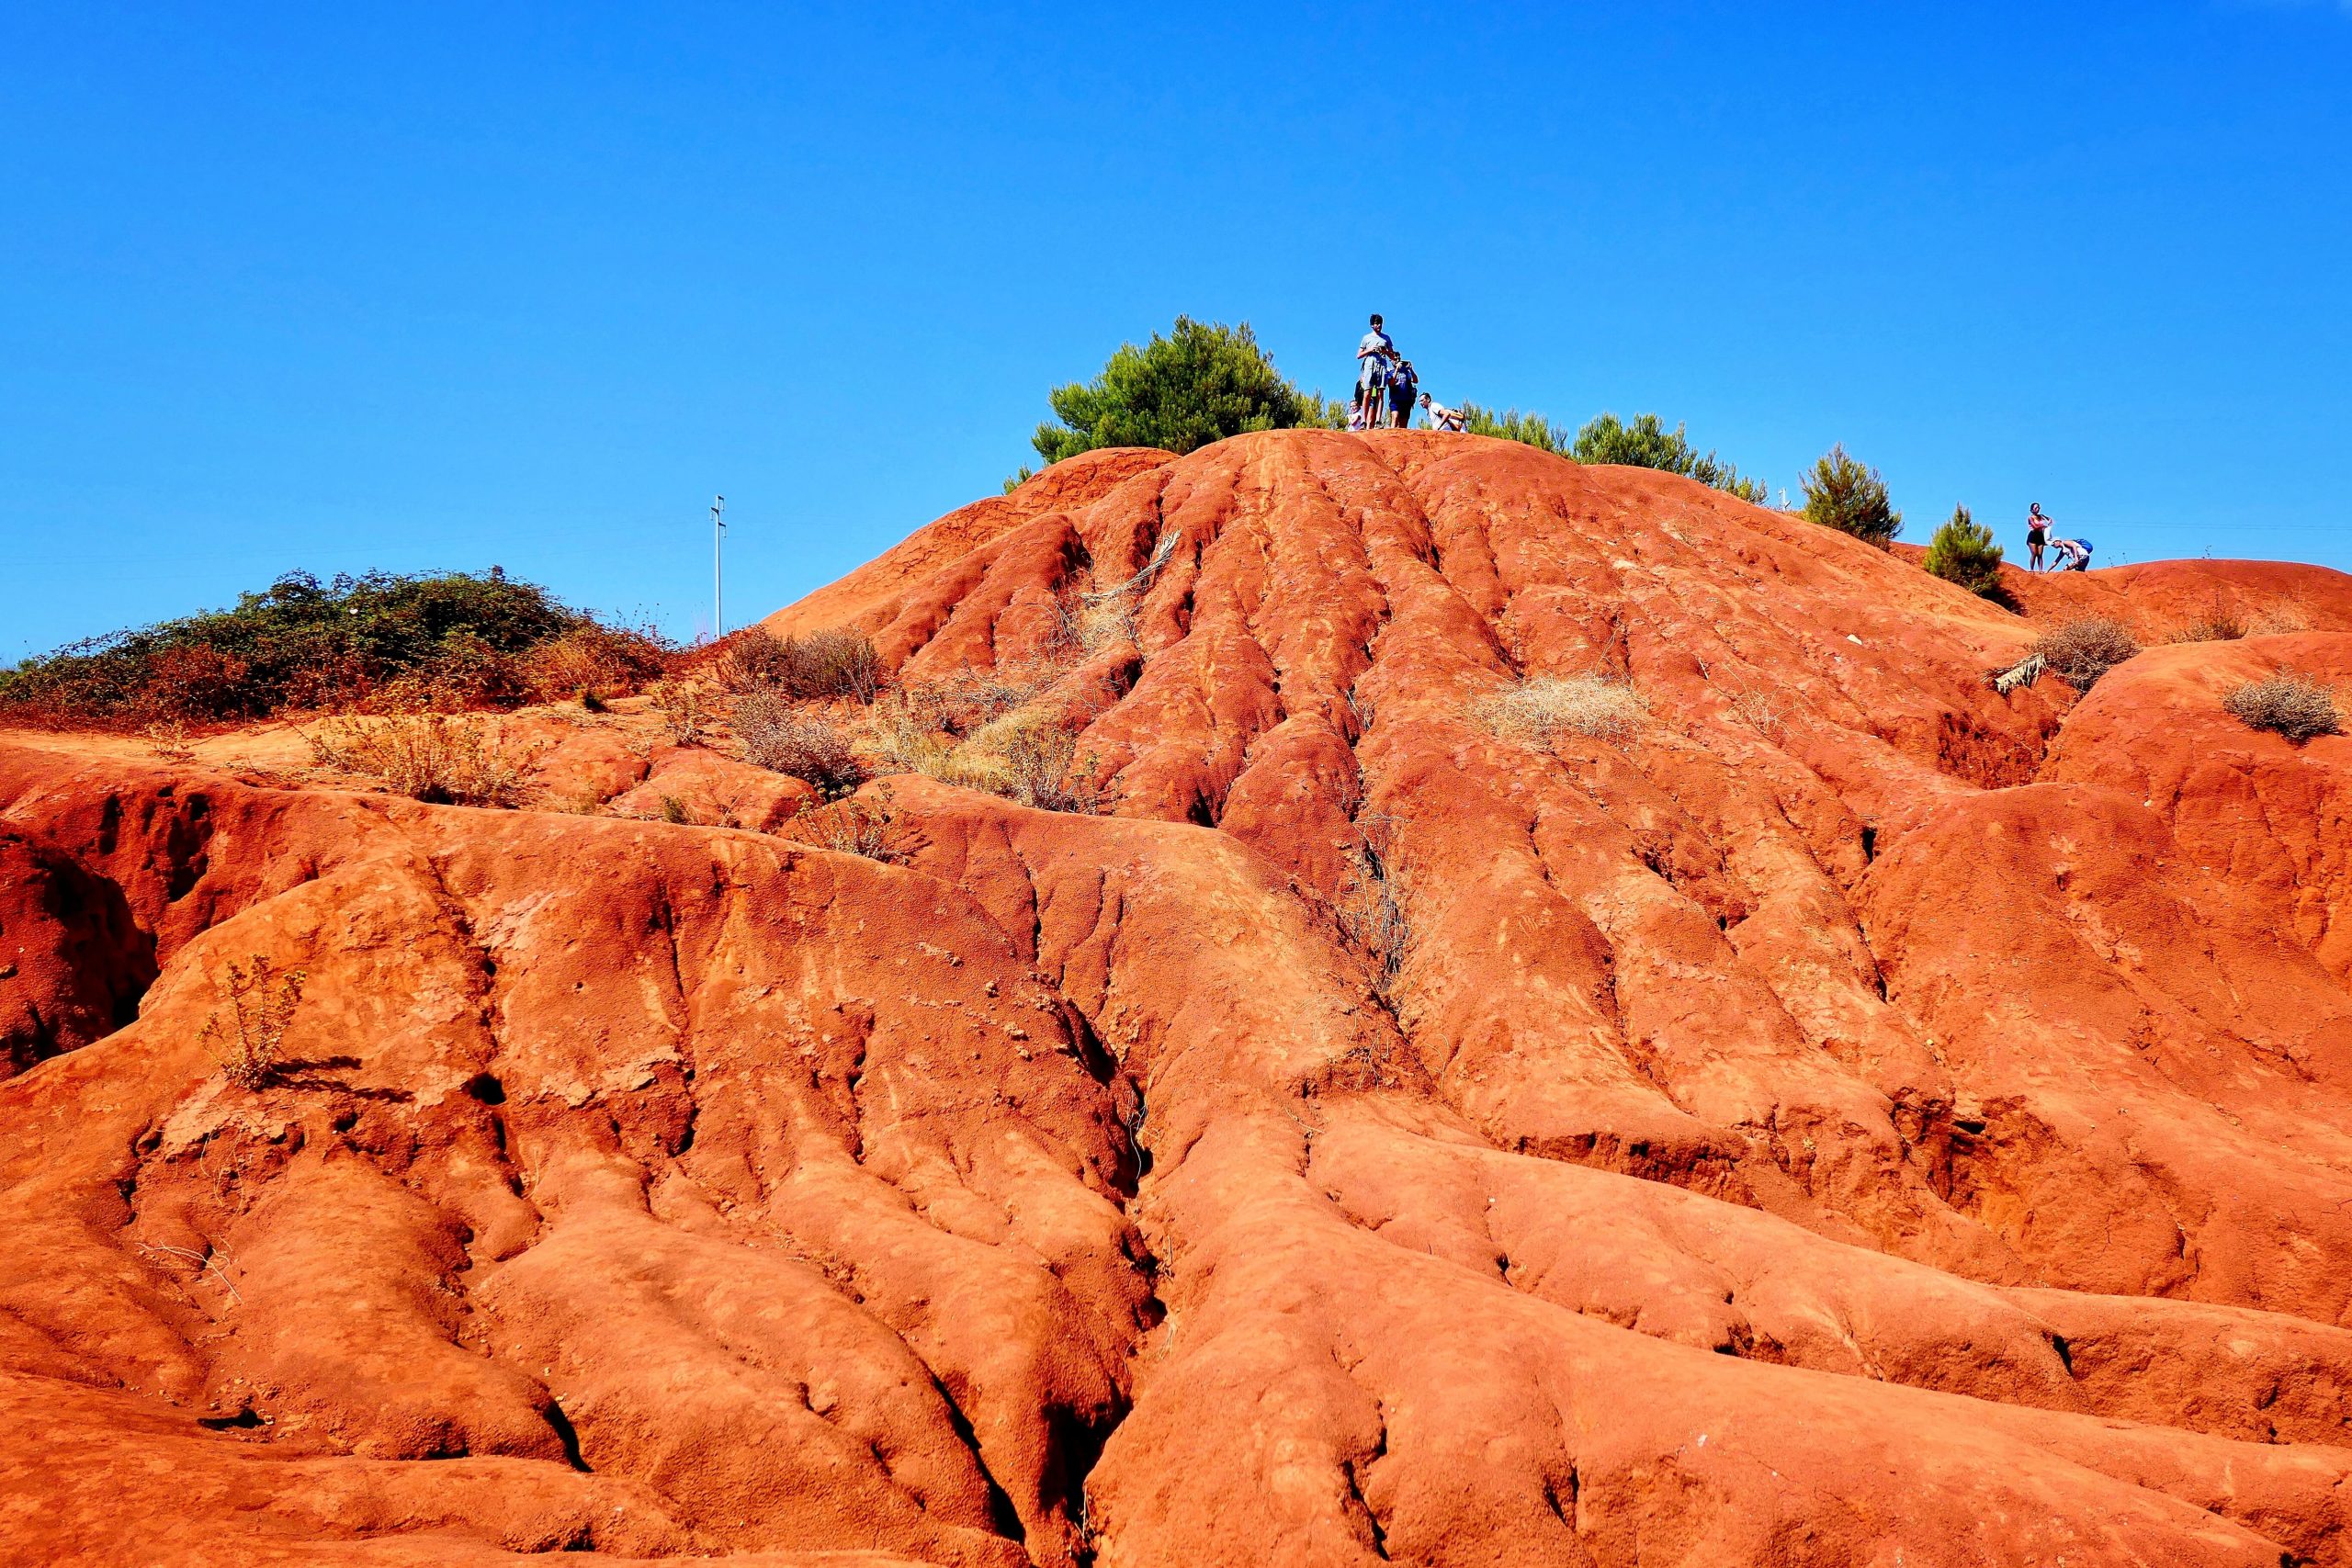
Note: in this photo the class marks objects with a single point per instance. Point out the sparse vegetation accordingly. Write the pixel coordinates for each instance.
(380, 642)
(684, 708)
(1761, 713)
(1537, 710)
(774, 735)
(840, 662)
(1850, 496)
(262, 1000)
(443, 758)
(1961, 551)
(2219, 621)
(854, 825)
(2081, 650)
(1203, 382)
(2288, 703)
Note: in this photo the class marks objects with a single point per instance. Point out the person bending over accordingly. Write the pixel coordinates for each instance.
(2074, 555)
(1444, 417)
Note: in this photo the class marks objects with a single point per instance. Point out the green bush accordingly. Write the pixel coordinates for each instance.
(1201, 383)
(1848, 495)
(1644, 444)
(1530, 429)
(1648, 443)
(446, 639)
(1963, 551)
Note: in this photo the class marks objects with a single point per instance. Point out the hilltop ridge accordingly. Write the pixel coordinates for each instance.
(1799, 1106)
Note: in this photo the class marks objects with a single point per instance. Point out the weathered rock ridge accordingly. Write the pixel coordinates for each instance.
(1853, 1118)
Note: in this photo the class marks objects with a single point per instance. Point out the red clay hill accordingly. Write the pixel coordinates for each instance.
(1752, 1094)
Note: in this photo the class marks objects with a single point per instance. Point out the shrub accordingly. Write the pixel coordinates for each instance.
(1848, 495)
(2287, 704)
(1644, 444)
(851, 827)
(837, 663)
(261, 1005)
(439, 639)
(683, 709)
(2219, 621)
(1963, 551)
(437, 757)
(1537, 710)
(772, 736)
(1375, 923)
(1528, 429)
(592, 662)
(1648, 443)
(1201, 383)
(2079, 652)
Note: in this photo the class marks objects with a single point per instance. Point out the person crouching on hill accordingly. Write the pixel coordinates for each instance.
(1442, 417)
(2074, 555)
(1373, 353)
(1402, 385)
(2037, 534)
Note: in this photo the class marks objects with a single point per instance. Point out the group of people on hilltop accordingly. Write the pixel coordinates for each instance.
(2074, 555)
(1388, 389)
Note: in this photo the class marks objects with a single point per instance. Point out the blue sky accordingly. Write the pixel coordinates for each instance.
(334, 288)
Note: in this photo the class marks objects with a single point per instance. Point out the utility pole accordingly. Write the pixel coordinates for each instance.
(718, 566)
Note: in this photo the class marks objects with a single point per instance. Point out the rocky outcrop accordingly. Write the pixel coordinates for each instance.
(1830, 1113)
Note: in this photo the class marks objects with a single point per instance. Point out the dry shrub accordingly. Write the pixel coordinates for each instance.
(2219, 621)
(772, 736)
(1760, 713)
(167, 739)
(851, 827)
(261, 1004)
(2278, 620)
(1026, 758)
(1091, 623)
(439, 758)
(592, 662)
(821, 666)
(684, 709)
(1374, 922)
(1537, 710)
(2081, 650)
(2288, 703)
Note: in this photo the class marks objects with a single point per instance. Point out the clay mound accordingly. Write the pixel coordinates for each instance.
(1587, 1033)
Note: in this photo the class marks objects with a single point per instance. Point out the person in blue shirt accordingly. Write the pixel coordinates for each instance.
(1402, 385)
(1374, 353)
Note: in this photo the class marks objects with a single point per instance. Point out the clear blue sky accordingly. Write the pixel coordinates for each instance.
(336, 287)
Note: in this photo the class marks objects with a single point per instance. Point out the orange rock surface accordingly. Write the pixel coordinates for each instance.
(1842, 1116)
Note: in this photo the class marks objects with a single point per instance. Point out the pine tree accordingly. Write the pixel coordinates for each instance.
(1963, 551)
(1844, 494)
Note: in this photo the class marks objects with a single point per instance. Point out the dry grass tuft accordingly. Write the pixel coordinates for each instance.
(774, 737)
(837, 663)
(2081, 650)
(2288, 703)
(851, 827)
(249, 1051)
(1538, 710)
(1761, 713)
(442, 758)
(684, 708)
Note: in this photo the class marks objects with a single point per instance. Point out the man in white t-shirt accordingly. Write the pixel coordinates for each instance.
(1442, 417)
(1375, 353)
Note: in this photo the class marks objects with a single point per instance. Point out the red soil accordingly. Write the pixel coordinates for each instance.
(1854, 1119)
